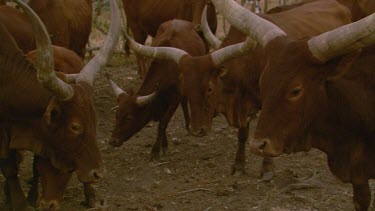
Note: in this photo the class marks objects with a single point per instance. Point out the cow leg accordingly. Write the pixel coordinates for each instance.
(239, 163)
(185, 109)
(361, 196)
(9, 168)
(161, 140)
(267, 171)
(91, 197)
(34, 189)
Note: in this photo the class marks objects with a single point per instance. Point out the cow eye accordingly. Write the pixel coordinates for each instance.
(210, 88)
(296, 93)
(76, 128)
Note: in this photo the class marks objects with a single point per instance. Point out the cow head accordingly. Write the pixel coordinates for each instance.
(54, 183)
(237, 102)
(292, 93)
(132, 113)
(68, 125)
(200, 84)
(293, 83)
(199, 77)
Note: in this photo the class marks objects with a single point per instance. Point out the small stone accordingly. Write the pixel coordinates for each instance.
(166, 170)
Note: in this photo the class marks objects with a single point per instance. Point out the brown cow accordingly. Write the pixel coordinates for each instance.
(47, 116)
(323, 96)
(236, 93)
(65, 61)
(159, 96)
(54, 181)
(144, 17)
(68, 22)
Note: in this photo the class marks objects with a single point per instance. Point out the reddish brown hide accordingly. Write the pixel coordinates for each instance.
(327, 106)
(53, 181)
(47, 116)
(319, 97)
(65, 61)
(201, 76)
(233, 89)
(159, 96)
(144, 18)
(68, 23)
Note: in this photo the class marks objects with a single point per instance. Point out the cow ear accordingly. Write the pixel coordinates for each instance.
(52, 113)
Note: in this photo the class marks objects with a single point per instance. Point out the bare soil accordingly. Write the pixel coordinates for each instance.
(195, 174)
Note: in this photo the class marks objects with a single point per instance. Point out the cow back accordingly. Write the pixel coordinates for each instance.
(306, 20)
(178, 34)
(68, 22)
(18, 25)
(21, 96)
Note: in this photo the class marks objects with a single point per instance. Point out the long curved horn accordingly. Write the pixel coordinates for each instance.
(117, 90)
(71, 78)
(152, 52)
(89, 72)
(247, 22)
(45, 64)
(232, 51)
(144, 100)
(343, 39)
(207, 33)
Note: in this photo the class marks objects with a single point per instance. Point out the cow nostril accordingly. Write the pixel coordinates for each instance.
(96, 175)
(262, 145)
(258, 146)
(52, 205)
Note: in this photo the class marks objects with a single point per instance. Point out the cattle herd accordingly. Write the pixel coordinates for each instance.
(305, 72)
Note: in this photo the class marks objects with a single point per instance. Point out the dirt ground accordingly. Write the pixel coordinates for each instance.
(195, 174)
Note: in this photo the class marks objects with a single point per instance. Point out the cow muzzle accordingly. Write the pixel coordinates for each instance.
(93, 176)
(265, 148)
(49, 205)
(199, 132)
(97, 174)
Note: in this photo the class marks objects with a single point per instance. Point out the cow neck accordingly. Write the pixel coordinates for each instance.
(162, 80)
(157, 107)
(335, 132)
(26, 136)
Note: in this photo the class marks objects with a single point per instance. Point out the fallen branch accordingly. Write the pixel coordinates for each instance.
(194, 190)
(161, 164)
